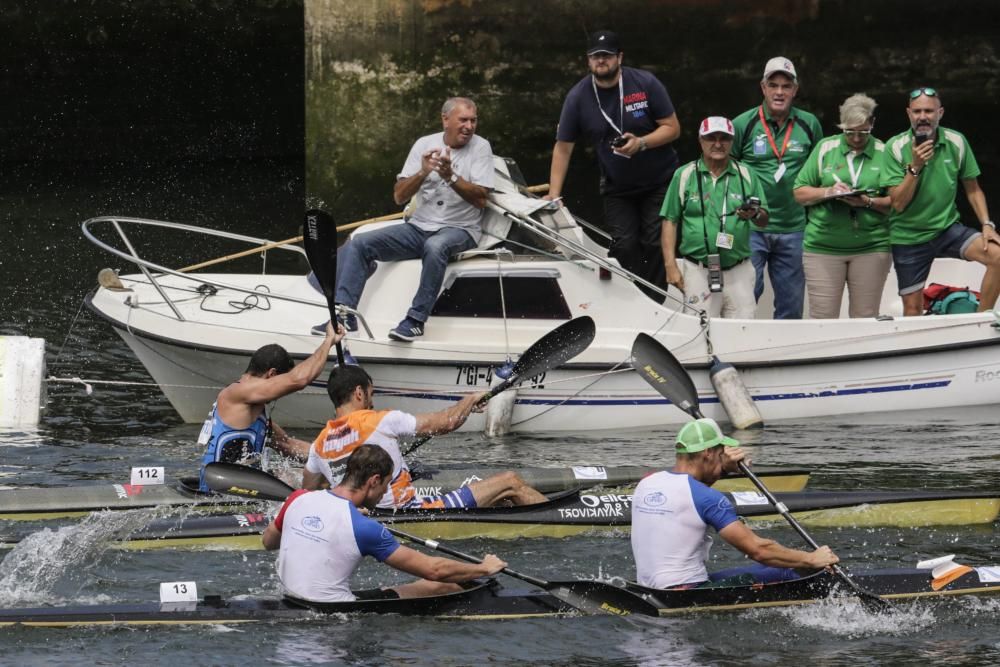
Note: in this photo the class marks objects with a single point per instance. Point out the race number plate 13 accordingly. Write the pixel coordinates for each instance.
(178, 591)
(146, 476)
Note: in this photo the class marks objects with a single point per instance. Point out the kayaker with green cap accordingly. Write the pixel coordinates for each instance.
(672, 511)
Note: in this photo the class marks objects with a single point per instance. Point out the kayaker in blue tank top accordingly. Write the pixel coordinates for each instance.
(238, 427)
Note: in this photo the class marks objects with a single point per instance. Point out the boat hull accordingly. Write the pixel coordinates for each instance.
(574, 513)
(483, 602)
(569, 398)
(491, 601)
(892, 585)
(33, 504)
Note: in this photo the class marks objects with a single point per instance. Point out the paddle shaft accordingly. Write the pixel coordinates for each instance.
(437, 546)
(793, 522)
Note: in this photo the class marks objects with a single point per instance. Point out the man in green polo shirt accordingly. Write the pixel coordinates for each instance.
(714, 201)
(774, 139)
(921, 168)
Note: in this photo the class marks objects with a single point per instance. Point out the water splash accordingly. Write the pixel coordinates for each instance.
(847, 617)
(33, 569)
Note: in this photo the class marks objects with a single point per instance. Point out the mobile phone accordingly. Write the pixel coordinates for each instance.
(750, 203)
(714, 273)
(921, 138)
(618, 142)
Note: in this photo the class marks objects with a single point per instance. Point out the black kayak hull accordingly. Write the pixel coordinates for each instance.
(36, 504)
(573, 513)
(489, 600)
(891, 584)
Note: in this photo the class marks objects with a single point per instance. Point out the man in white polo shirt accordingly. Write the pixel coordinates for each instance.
(673, 509)
(448, 175)
(323, 537)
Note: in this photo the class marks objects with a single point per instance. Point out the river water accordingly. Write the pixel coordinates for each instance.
(256, 186)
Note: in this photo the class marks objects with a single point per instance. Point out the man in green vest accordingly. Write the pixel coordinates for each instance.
(922, 168)
(774, 140)
(715, 203)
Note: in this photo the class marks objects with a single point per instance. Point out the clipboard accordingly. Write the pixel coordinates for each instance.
(852, 193)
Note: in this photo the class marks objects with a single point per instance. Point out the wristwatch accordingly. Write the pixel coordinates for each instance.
(913, 171)
(642, 144)
(453, 179)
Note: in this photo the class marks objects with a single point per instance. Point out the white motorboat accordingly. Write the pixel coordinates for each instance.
(535, 269)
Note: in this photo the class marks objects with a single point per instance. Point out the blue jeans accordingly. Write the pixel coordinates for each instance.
(395, 243)
(782, 253)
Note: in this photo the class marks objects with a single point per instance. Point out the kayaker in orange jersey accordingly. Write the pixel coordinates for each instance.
(323, 537)
(358, 423)
(239, 427)
(672, 511)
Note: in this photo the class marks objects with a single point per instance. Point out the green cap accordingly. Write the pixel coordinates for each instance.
(701, 434)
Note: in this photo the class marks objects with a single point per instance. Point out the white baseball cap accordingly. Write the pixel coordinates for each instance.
(714, 124)
(779, 64)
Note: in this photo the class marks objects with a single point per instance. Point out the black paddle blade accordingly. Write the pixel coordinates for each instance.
(319, 236)
(597, 597)
(556, 347)
(660, 368)
(244, 481)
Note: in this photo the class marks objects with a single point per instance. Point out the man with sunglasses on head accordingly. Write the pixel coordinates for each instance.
(922, 168)
(713, 201)
(774, 140)
(627, 115)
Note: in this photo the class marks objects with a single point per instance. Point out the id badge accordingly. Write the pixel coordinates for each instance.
(779, 172)
(724, 240)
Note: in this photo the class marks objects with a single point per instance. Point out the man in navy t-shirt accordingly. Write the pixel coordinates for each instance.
(627, 115)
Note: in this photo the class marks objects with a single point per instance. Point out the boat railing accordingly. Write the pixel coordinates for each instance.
(151, 269)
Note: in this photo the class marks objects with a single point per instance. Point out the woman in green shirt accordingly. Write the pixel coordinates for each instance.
(847, 235)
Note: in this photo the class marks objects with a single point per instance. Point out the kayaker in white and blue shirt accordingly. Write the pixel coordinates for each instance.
(672, 511)
(323, 536)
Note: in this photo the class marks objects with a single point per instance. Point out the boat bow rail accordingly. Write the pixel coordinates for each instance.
(150, 268)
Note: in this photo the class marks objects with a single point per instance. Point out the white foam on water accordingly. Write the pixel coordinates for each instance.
(847, 617)
(31, 571)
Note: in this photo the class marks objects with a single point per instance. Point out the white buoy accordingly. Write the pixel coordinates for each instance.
(500, 409)
(734, 396)
(22, 371)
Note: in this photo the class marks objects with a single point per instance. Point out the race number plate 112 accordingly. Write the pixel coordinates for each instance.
(146, 476)
(178, 591)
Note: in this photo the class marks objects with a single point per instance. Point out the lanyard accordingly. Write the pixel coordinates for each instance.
(621, 104)
(704, 214)
(770, 137)
(855, 175)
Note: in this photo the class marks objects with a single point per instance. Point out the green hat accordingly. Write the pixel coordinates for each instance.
(701, 434)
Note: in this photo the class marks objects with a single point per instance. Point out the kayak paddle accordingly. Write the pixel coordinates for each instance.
(591, 597)
(587, 596)
(554, 348)
(660, 368)
(319, 236)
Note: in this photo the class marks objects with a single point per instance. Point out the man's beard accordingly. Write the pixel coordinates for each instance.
(610, 76)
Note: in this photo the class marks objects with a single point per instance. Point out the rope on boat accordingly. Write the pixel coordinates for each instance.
(87, 382)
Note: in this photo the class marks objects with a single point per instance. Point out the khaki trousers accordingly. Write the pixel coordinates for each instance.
(736, 298)
(864, 275)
